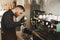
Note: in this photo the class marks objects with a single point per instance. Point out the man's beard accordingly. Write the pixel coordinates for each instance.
(15, 15)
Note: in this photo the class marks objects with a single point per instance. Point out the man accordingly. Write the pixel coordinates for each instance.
(8, 25)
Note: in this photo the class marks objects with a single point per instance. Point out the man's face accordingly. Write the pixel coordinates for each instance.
(19, 12)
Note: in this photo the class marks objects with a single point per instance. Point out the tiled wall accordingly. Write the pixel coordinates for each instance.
(6, 4)
(52, 6)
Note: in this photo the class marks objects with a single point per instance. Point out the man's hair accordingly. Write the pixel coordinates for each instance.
(20, 6)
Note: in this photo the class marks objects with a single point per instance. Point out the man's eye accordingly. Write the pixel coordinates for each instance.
(20, 13)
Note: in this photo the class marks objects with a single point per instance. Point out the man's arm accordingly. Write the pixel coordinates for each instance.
(9, 23)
